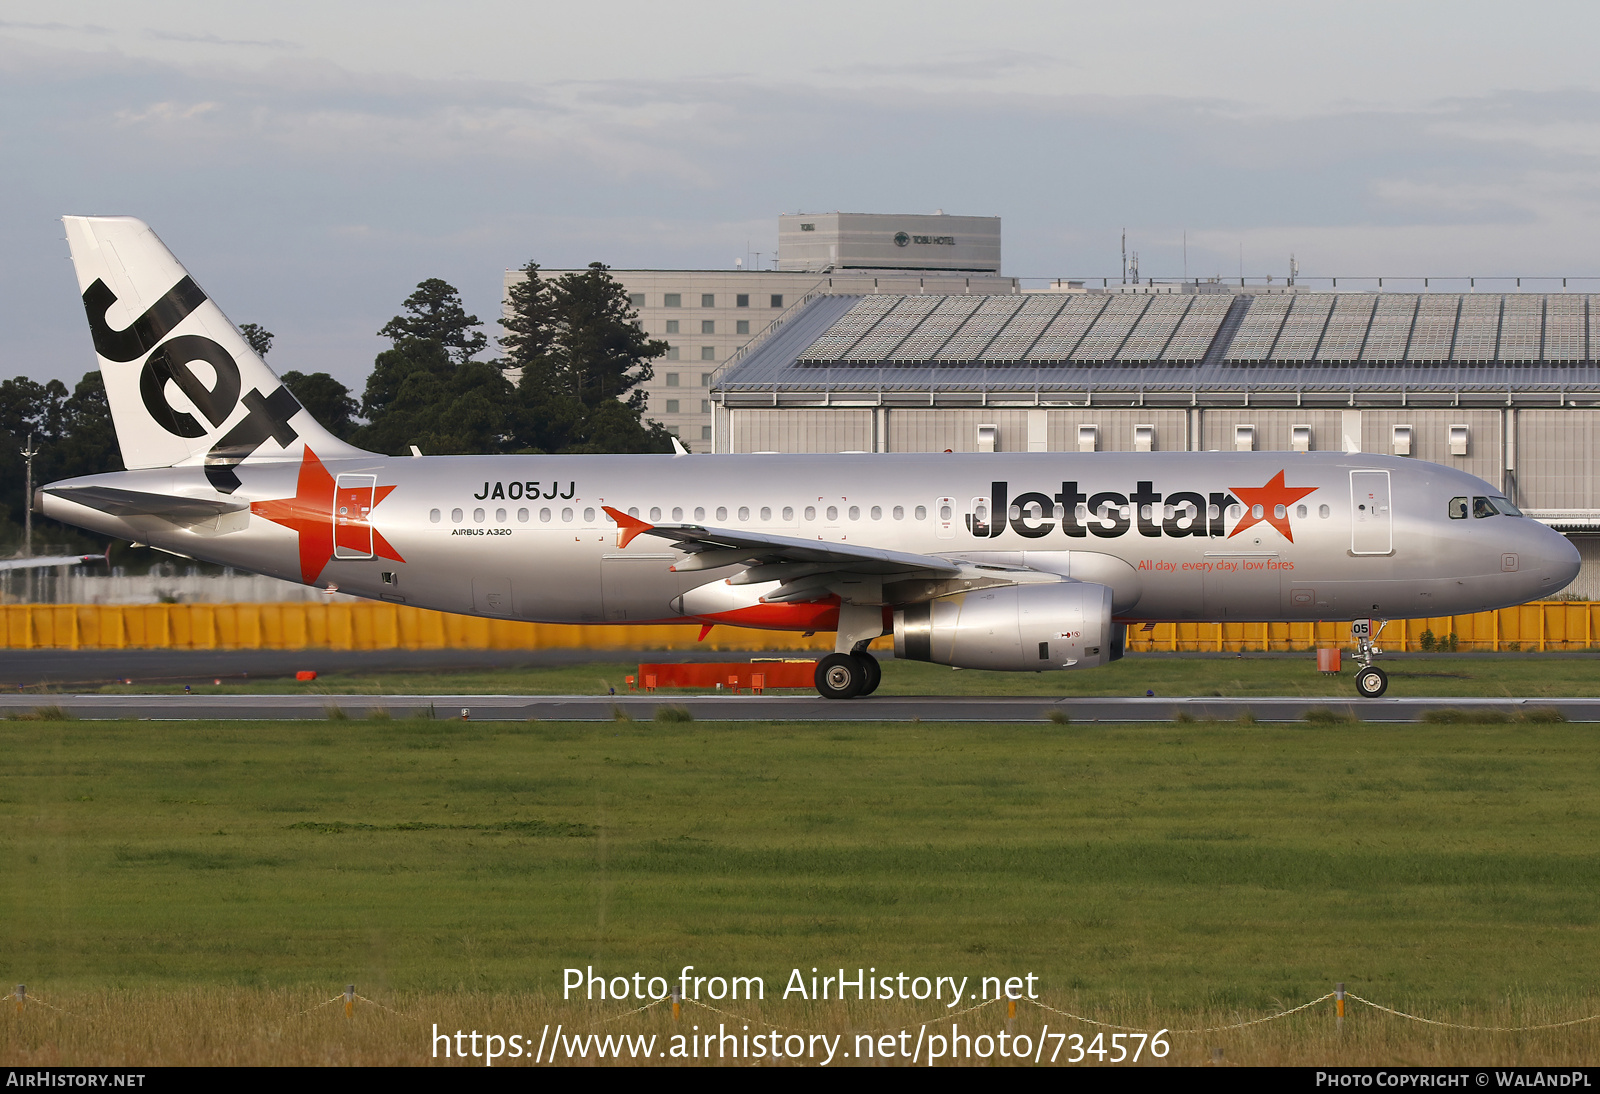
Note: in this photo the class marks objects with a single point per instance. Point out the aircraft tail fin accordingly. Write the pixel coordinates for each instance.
(184, 385)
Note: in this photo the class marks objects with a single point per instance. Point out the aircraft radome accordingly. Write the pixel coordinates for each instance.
(1020, 562)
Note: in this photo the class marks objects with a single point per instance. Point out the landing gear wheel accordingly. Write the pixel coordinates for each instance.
(1371, 682)
(874, 673)
(840, 676)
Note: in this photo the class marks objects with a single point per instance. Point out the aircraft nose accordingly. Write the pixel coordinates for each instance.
(1549, 558)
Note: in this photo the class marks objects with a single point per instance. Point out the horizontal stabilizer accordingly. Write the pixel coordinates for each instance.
(136, 503)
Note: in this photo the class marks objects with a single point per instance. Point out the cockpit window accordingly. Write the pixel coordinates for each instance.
(1458, 508)
(1489, 507)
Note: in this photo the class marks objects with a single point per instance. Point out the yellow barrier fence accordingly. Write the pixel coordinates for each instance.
(1542, 625)
(345, 626)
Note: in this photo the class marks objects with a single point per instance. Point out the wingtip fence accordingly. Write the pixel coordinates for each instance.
(349, 997)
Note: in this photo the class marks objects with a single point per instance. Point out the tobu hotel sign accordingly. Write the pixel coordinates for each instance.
(906, 239)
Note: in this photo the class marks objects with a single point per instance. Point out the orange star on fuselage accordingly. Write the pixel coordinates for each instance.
(310, 513)
(1269, 497)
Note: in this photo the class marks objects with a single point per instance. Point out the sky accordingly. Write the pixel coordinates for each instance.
(310, 163)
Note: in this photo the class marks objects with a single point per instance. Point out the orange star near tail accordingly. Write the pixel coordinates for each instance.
(310, 513)
(1269, 497)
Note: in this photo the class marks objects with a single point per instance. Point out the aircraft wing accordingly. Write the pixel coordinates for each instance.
(40, 561)
(711, 548)
(804, 568)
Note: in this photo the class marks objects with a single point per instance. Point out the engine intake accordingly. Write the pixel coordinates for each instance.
(1012, 628)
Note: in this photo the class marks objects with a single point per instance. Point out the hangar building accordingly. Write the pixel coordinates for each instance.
(1503, 386)
(704, 316)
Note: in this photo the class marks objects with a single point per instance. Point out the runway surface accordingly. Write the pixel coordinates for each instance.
(797, 708)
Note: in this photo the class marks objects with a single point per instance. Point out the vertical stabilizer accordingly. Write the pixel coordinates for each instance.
(184, 385)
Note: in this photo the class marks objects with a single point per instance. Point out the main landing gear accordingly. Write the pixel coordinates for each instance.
(848, 675)
(1371, 681)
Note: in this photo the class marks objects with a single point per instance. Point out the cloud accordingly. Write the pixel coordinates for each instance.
(213, 40)
(312, 198)
(68, 28)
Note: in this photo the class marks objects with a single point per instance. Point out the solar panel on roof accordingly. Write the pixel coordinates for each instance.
(1155, 328)
(906, 315)
(1025, 326)
(1198, 329)
(936, 329)
(1056, 341)
(980, 329)
(1105, 338)
(1478, 328)
(848, 330)
(1302, 330)
(1522, 329)
(1564, 322)
(1433, 329)
(1259, 329)
(1390, 329)
(1347, 328)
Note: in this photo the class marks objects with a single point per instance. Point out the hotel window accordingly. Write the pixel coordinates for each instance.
(705, 433)
(708, 326)
(708, 300)
(673, 300)
(708, 353)
(742, 326)
(777, 300)
(672, 406)
(705, 379)
(705, 406)
(672, 326)
(742, 300)
(672, 379)
(636, 300)
(672, 353)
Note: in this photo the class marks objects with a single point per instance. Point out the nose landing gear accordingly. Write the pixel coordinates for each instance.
(1371, 681)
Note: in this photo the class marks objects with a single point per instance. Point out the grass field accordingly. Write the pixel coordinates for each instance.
(1174, 875)
(1430, 675)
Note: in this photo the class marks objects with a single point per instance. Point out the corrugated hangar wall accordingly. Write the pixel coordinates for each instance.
(1556, 452)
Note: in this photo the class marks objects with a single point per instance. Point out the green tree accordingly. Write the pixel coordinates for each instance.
(259, 337)
(581, 354)
(434, 313)
(327, 399)
(416, 396)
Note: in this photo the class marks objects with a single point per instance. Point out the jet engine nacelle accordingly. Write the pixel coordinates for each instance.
(1016, 628)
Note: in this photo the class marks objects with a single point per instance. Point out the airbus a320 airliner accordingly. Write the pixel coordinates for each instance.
(1020, 562)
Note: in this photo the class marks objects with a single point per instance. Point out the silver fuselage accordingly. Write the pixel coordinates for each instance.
(525, 537)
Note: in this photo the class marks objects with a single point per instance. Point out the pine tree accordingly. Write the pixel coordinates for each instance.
(580, 355)
(434, 313)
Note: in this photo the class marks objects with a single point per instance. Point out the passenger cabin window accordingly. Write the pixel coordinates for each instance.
(920, 513)
(788, 512)
(677, 513)
(1458, 508)
(655, 512)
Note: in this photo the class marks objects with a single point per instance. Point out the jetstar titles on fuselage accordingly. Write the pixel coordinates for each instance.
(1109, 514)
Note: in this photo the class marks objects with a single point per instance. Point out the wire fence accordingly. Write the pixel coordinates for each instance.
(24, 999)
